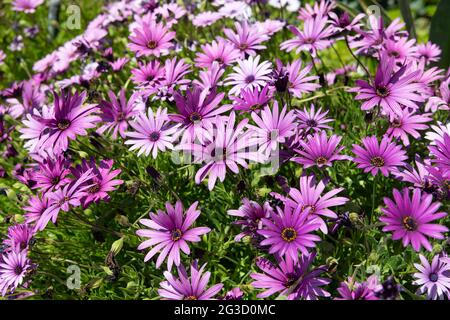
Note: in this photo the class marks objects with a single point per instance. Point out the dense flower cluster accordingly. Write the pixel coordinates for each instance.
(247, 107)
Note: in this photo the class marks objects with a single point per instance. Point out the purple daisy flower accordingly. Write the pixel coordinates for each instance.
(273, 127)
(14, 266)
(408, 123)
(63, 199)
(102, 180)
(298, 80)
(188, 288)
(251, 213)
(320, 151)
(35, 208)
(221, 51)
(294, 280)
(224, 147)
(116, 113)
(390, 90)
(151, 133)
(247, 39)
(289, 231)
(409, 218)
(19, 237)
(148, 74)
(428, 51)
(312, 119)
(52, 174)
(312, 38)
(249, 74)
(197, 111)
(151, 39)
(309, 197)
(252, 99)
(441, 152)
(169, 232)
(354, 290)
(27, 6)
(70, 118)
(375, 157)
(434, 278)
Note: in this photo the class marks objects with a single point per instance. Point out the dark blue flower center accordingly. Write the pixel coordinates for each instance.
(289, 234)
(176, 235)
(409, 223)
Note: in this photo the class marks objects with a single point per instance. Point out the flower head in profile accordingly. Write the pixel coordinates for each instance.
(116, 113)
(375, 157)
(343, 22)
(434, 278)
(151, 39)
(320, 8)
(294, 279)
(249, 74)
(251, 214)
(169, 232)
(151, 133)
(188, 288)
(272, 127)
(247, 38)
(309, 197)
(289, 231)
(320, 151)
(354, 290)
(313, 37)
(409, 218)
(14, 266)
(35, 208)
(206, 18)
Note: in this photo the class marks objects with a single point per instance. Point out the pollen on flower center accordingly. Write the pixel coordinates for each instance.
(243, 46)
(290, 280)
(256, 107)
(308, 40)
(176, 235)
(190, 298)
(94, 188)
(382, 91)
(377, 162)
(321, 161)
(120, 116)
(311, 123)
(154, 136)
(195, 117)
(152, 44)
(55, 180)
(409, 223)
(289, 234)
(63, 124)
(396, 123)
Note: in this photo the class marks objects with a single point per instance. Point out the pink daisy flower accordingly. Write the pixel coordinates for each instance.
(252, 99)
(408, 123)
(272, 127)
(249, 74)
(14, 266)
(27, 6)
(313, 120)
(221, 51)
(320, 151)
(408, 218)
(312, 38)
(428, 51)
(152, 133)
(433, 279)
(299, 82)
(247, 39)
(116, 113)
(151, 39)
(170, 231)
(148, 74)
(375, 157)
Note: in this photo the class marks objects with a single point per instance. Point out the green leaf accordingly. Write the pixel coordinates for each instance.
(439, 31)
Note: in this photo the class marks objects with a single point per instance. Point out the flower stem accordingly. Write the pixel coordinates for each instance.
(356, 58)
